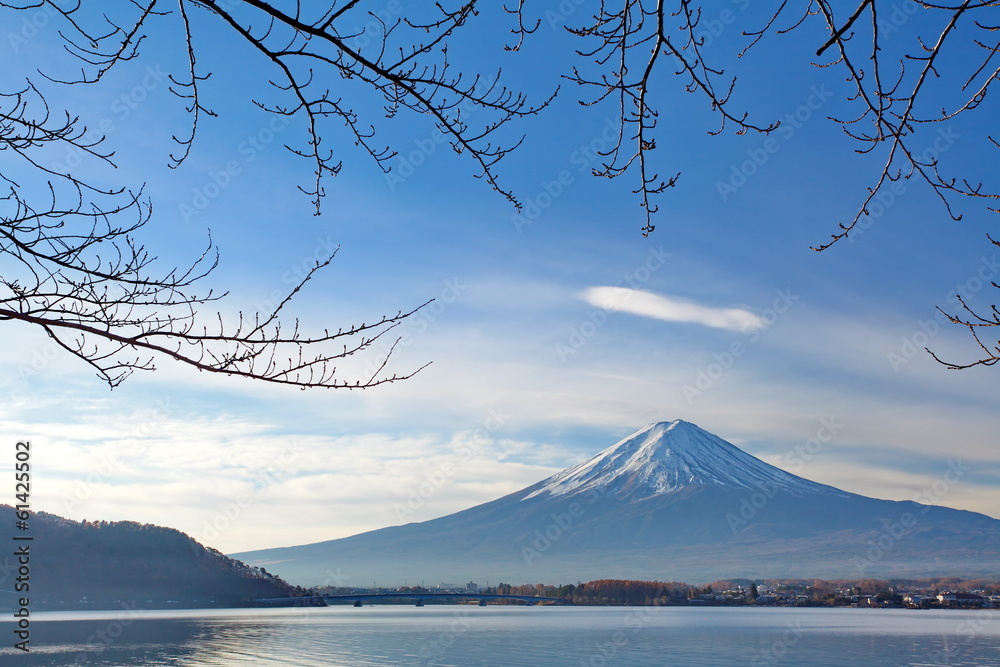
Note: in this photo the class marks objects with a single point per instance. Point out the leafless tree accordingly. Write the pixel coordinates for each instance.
(633, 44)
(81, 276)
(306, 49)
(945, 71)
(74, 269)
(939, 65)
(976, 321)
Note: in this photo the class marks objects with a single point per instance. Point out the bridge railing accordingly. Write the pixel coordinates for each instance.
(359, 598)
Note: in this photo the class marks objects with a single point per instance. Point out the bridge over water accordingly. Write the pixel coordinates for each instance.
(420, 598)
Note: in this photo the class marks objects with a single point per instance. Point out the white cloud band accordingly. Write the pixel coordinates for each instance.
(669, 309)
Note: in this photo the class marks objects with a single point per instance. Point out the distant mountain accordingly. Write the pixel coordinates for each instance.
(671, 502)
(666, 457)
(96, 565)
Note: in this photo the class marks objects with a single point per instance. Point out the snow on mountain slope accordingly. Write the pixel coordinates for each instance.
(669, 456)
(670, 503)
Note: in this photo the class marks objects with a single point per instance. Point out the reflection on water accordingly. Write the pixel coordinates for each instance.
(460, 636)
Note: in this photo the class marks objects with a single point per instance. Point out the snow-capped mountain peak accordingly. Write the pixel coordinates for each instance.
(668, 456)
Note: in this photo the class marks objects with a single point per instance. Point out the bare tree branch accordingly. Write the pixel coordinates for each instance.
(975, 323)
(74, 268)
(632, 37)
(940, 69)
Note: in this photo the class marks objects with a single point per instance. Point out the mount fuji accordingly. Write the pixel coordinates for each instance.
(671, 502)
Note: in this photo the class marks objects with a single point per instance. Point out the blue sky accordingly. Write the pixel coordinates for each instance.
(551, 336)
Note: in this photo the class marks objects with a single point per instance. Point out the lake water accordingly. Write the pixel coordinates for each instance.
(508, 635)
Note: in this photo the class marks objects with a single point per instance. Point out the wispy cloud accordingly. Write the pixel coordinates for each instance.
(669, 309)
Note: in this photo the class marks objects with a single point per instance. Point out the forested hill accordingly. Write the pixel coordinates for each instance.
(100, 564)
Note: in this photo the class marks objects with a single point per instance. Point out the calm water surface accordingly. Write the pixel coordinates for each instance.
(458, 636)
